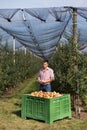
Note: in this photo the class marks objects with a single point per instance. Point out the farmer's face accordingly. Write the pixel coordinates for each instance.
(45, 65)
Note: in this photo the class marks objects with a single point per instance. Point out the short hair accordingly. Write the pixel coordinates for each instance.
(45, 61)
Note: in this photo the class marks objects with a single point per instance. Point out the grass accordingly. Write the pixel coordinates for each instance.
(27, 87)
(10, 113)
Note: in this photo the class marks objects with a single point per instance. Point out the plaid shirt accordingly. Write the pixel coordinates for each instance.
(45, 75)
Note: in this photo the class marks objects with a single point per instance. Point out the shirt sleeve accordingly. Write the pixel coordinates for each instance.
(52, 74)
(39, 78)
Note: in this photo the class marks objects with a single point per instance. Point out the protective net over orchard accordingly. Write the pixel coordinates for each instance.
(40, 29)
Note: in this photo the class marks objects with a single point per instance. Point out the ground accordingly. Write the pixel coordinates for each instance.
(10, 114)
(82, 116)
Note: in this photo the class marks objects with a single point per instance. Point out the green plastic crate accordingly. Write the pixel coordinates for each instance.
(45, 109)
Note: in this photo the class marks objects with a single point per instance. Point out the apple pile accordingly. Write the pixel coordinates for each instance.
(46, 94)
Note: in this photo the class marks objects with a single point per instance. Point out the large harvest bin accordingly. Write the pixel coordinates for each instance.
(45, 109)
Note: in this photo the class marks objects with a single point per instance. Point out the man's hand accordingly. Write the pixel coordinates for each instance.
(43, 81)
(46, 81)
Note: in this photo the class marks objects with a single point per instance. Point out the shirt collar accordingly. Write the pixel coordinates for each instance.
(46, 68)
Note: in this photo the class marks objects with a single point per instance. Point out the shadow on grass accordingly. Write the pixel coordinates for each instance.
(18, 113)
(17, 104)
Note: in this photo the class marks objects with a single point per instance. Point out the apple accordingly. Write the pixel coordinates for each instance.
(46, 94)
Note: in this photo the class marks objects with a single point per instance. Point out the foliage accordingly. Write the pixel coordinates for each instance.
(12, 73)
(67, 78)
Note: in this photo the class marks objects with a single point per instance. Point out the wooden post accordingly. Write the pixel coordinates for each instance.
(75, 39)
(75, 59)
(75, 27)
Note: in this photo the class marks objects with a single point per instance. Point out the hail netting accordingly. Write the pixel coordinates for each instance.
(38, 29)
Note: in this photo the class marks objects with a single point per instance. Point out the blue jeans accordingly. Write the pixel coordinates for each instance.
(45, 88)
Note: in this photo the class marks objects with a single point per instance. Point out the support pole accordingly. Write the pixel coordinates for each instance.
(75, 27)
(13, 49)
(61, 42)
(25, 51)
(75, 39)
(75, 59)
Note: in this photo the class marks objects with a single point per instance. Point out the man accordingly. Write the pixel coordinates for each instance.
(46, 76)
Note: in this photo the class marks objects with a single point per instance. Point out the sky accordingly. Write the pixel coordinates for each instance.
(41, 3)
